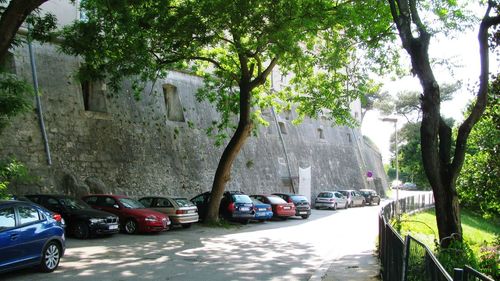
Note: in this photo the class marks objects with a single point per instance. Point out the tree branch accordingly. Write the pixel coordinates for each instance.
(482, 94)
(14, 15)
(261, 78)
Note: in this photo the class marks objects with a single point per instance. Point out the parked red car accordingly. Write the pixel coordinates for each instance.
(281, 208)
(134, 217)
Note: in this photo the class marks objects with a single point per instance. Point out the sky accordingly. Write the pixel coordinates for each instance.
(464, 51)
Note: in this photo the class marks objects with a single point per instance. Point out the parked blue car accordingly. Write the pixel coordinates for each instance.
(30, 235)
(263, 211)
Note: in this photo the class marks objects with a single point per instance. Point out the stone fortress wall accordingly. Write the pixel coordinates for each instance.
(101, 142)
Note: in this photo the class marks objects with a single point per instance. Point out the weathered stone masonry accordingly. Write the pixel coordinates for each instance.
(132, 147)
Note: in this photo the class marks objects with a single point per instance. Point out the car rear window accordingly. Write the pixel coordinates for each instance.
(241, 198)
(299, 198)
(325, 195)
(276, 200)
(183, 202)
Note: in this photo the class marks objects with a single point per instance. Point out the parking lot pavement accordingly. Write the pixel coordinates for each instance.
(278, 250)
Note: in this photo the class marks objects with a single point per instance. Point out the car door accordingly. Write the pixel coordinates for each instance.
(341, 199)
(201, 201)
(9, 238)
(32, 234)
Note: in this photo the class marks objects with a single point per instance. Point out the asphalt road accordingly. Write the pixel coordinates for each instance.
(278, 250)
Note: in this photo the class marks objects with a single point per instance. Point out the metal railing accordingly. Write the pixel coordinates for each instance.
(409, 259)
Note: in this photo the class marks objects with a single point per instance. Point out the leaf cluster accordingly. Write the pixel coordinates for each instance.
(15, 97)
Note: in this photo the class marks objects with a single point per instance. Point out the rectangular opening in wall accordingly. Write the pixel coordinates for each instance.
(282, 126)
(349, 138)
(93, 95)
(321, 134)
(173, 103)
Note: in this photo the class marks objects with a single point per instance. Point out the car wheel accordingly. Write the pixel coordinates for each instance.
(378, 203)
(50, 257)
(305, 217)
(245, 221)
(81, 230)
(363, 204)
(335, 206)
(186, 225)
(131, 226)
(351, 205)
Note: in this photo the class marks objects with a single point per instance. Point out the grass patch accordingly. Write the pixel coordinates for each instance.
(477, 231)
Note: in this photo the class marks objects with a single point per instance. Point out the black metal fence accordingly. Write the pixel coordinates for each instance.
(409, 259)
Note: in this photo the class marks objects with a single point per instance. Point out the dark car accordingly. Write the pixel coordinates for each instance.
(263, 211)
(371, 196)
(83, 221)
(302, 205)
(134, 217)
(30, 235)
(234, 205)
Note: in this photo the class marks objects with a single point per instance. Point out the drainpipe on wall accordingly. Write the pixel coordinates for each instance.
(284, 148)
(38, 102)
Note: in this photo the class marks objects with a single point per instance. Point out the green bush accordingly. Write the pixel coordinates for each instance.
(12, 170)
(457, 255)
(488, 259)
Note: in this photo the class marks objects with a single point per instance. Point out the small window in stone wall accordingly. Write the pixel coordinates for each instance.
(94, 98)
(282, 127)
(321, 134)
(349, 138)
(173, 103)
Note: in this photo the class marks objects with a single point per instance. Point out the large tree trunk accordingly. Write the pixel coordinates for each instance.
(441, 168)
(15, 14)
(223, 173)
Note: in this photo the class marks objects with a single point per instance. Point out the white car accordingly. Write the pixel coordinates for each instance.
(331, 200)
(354, 197)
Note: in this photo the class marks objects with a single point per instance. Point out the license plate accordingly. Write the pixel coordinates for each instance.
(244, 209)
(286, 208)
(113, 226)
(302, 213)
(190, 211)
(262, 209)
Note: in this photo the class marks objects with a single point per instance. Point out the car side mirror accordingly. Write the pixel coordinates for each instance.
(116, 206)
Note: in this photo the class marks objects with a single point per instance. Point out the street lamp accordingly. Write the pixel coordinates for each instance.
(395, 121)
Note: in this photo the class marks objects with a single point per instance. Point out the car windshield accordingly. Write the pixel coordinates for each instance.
(241, 198)
(183, 202)
(345, 193)
(276, 200)
(325, 195)
(299, 198)
(367, 192)
(130, 203)
(73, 203)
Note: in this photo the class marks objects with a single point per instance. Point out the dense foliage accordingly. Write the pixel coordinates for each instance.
(478, 184)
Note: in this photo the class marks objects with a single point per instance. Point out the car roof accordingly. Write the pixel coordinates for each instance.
(365, 189)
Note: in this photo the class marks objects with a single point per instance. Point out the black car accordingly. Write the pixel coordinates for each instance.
(371, 196)
(302, 205)
(83, 221)
(235, 205)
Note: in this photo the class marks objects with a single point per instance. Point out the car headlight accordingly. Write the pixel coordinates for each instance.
(151, 218)
(95, 220)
